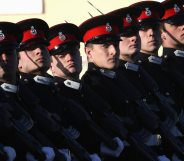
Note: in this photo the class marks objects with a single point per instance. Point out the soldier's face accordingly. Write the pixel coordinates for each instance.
(67, 63)
(104, 55)
(8, 66)
(174, 36)
(150, 40)
(34, 60)
(128, 46)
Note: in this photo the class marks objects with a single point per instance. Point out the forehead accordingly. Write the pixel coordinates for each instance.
(172, 26)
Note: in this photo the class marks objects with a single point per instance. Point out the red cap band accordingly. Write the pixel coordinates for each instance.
(171, 12)
(58, 40)
(129, 21)
(100, 30)
(29, 34)
(148, 14)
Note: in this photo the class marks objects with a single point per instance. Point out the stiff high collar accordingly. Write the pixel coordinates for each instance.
(66, 82)
(43, 80)
(9, 87)
(171, 52)
(106, 72)
(46, 80)
(144, 58)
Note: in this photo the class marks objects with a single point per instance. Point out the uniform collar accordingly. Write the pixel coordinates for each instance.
(43, 80)
(155, 59)
(66, 82)
(131, 66)
(179, 53)
(149, 58)
(27, 78)
(171, 52)
(72, 84)
(142, 58)
(9, 87)
(106, 72)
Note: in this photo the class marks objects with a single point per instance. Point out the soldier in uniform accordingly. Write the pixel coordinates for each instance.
(66, 62)
(16, 125)
(101, 39)
(7, 47)
(172, 27)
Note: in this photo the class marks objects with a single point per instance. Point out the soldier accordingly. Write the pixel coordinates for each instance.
(8, 152)
(66, 62)
(172, 27)
(16, 124)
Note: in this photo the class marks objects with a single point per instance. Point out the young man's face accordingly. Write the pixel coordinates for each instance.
(173, 36)
(34, 59)
(150, 39)
(128, 46)
(67, 63)
(104, 55)
(8, 66)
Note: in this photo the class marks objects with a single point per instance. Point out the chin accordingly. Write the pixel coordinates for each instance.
(111, 66)
(72, 70)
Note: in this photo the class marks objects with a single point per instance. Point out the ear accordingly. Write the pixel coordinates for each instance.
(88, 51)
(19, 63)
(52, 65)
(163, 35)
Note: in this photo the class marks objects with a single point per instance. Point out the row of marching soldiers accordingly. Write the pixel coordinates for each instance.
(128, 105)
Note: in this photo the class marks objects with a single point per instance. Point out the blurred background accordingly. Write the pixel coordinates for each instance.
(59, 11)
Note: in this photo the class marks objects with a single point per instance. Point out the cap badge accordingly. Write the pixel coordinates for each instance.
(108, 27)
(62, 37)
(2, 36)
(128, 18)
(148, 11)
(33, 30)
(176, 8)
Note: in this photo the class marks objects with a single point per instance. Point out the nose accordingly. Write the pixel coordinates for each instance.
(37, 51)
(150, 32)
(112, 50)
(68, 57)
(133, 38)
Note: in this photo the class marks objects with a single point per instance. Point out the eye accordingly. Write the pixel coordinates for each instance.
(61, 56)
(144, 28)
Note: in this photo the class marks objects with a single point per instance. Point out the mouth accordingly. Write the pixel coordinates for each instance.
(70, 65)
(112, 59)
(40, 60)
(133, 46)
(152, 42)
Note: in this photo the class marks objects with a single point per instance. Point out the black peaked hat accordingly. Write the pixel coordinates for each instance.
(173, 11)
(151, 12)
(63, 36)
(10, 35)
(100, 29)
(34, 31)
(128, 16)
